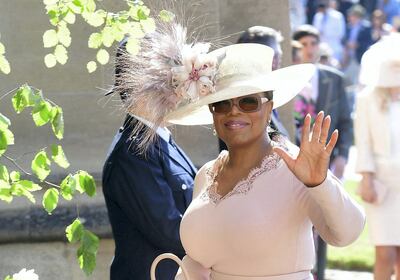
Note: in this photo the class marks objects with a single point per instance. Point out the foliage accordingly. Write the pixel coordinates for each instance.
(133, 23)
(4, 64)
(44, 111)
(111, 28)
(23, 275)
(89, 244)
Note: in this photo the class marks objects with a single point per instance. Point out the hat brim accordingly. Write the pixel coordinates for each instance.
(285, 82)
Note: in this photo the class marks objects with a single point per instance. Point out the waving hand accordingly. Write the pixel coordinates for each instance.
(312, 163)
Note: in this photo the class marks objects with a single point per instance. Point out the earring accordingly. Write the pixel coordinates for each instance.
(214, 132)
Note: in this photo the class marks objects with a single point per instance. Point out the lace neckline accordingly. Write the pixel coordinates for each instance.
(268, 163)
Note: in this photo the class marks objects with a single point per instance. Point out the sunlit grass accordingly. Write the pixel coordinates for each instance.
(359, 255)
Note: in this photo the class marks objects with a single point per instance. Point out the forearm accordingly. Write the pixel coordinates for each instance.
(338, 219)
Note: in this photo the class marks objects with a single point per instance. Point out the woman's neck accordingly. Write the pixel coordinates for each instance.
(249, 155)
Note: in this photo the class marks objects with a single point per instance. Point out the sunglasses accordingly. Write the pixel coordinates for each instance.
(245, 104)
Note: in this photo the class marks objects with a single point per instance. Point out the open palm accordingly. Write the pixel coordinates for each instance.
(312, 163)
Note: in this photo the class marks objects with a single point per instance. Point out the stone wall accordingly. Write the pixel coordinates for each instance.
(91, 120)
(90, 124)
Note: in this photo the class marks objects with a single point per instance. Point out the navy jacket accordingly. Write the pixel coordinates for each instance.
(146, 198)
(364, 39)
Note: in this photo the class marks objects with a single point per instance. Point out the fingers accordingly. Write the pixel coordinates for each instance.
(290, 162)
(305, 137)
(325, 130)
(317, 127)
(332, 142)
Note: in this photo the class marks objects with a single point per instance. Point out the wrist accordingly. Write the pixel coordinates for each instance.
(314, 185)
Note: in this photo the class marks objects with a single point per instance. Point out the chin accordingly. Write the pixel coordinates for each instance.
(237, 142)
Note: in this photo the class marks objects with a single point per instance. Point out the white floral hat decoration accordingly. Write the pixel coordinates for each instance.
(171, 81)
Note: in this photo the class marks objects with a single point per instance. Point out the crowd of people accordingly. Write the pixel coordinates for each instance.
(347, 29)
(251, 213)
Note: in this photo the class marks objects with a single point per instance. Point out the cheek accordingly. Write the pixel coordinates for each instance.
(259, 119)
(218, 122)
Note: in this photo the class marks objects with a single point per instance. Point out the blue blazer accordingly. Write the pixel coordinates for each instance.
(146, 198)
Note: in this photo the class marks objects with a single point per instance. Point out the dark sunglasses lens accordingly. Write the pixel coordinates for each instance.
(221, 107)
(249, 104)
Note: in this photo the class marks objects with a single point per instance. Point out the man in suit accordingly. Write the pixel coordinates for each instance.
(329, 94)
(146, 196)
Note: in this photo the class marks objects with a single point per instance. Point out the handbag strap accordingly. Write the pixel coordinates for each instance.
(164, 257)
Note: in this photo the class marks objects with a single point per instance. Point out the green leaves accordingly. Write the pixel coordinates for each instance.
(41, 165)
(4, 64)
(4, 121)
(74, 231)
(50, 200)
(50, 38)
(85, 183)
(58, 156)
(4, 173)
(64, 35)
(68, 187)
(87, 252)
(61, 54)
(42, 113)
(16, 187)
(50, 60)
(166, 16)
(91, 66)
(24, 188)
(5, 191)
(133, 46)
(24, 97)
(6, 136)
(102, 56)
(95, 19)
(57, 122)
(89, 244)
(95, 41)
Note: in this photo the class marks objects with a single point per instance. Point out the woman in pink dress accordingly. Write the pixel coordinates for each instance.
(254, 206)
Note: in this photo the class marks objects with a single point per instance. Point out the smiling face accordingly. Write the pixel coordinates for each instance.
(237, 128)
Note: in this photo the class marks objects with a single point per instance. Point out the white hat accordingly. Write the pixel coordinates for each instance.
(245, 69)
(380, 65)
(171, 81)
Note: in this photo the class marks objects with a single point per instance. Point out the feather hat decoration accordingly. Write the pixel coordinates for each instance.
(167, 72)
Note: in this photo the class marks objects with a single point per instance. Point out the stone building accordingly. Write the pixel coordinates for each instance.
(28, 236)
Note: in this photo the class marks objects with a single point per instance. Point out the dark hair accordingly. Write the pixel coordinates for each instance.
(305, 30)
(274, 129)
(357, 10)
(261, 35)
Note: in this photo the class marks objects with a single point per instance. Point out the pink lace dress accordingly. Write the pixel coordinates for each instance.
(262, 228)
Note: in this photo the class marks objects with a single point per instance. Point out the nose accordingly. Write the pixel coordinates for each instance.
(235, 109)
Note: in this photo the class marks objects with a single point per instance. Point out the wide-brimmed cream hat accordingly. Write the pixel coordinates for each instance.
(244, 69)
(380, 64)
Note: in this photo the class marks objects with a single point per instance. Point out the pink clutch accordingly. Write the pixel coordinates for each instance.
(380, 189)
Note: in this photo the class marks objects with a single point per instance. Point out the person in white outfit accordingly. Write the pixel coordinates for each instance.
(331, 26)
(377, 135)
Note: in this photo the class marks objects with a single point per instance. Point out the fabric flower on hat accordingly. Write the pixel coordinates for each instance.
(196, 76)
(25, 275)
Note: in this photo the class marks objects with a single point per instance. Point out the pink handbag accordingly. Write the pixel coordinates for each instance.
(163, 257)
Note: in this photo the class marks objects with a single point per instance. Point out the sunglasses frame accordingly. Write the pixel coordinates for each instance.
(236, 101)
